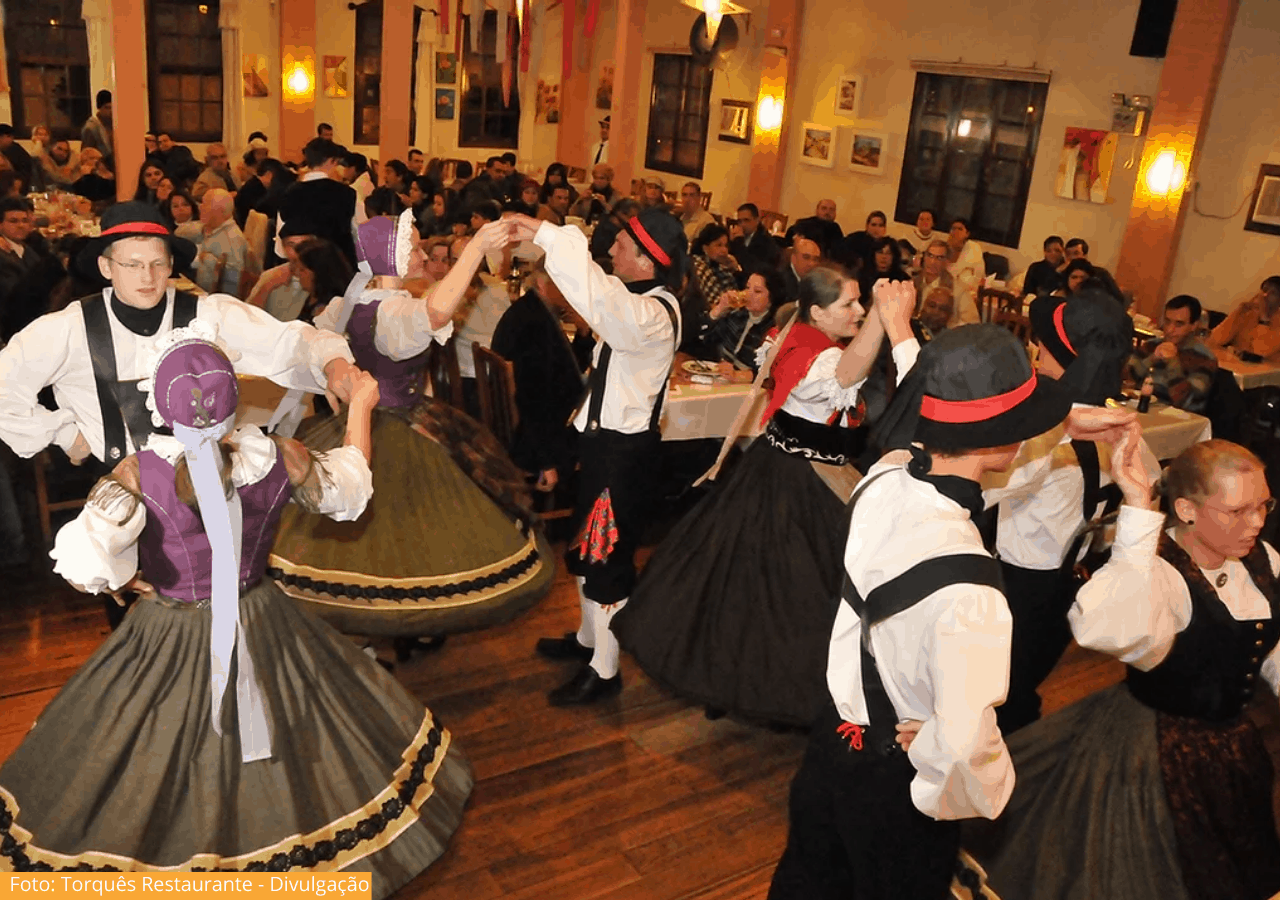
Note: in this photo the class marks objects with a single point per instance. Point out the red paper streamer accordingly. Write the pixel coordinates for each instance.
(444, 16)
(593, 13)
(457, 39)
(525, 36)
(570, 8)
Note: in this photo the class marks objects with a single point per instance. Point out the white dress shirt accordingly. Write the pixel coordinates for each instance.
(967, 271)
(482, 321)
(599, 153)
(403, 328)
(944, 661)
(98, 550)
(1041, 499)
(1135, 606)
(634, 325)
(54, 350)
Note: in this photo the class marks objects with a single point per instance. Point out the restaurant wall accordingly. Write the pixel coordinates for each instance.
(1217, 260)
(1086, 51)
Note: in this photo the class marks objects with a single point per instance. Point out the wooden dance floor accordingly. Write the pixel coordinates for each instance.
(638, 799)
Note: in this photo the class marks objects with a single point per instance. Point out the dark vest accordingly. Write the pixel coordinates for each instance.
(1212, 670)
(328, 205)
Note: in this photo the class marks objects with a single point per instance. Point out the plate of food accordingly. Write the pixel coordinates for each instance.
(700, 367)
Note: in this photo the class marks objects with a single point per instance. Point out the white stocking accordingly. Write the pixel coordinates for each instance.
(586, 616)
(605, 659)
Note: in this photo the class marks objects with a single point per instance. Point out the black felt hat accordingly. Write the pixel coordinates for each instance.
(1090, 336)
(659, 236)
(133, 219)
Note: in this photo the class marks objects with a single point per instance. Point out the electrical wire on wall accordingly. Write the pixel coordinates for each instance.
(1195, 204)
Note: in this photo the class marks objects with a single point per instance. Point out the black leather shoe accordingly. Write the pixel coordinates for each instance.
(565, 648)
(585, 687)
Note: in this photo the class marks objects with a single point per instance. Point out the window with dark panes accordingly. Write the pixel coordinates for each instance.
(483, 119)
(48, 67)
(185, 50)
(679, 113)
(368, 73)
(970, 151)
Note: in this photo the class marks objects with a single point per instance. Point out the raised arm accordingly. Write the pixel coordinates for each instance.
(451, 292)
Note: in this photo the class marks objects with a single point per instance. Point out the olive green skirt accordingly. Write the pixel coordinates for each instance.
(124, 771)
(432, 554)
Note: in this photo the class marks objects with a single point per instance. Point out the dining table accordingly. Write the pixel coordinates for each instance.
(1249, 375)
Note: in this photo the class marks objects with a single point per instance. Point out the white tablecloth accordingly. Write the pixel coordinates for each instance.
(1250, 375)
(1168, 430)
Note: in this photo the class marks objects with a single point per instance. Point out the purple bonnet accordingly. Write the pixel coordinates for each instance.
(195, 386)
(386, 244)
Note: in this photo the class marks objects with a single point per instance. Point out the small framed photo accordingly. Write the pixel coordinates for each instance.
(849, 96)
(1264, 208)
(445, 98)
(819, 147)
(735, 121)
(446, 68)
(868, 151)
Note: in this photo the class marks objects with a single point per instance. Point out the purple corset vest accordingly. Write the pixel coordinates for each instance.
(399, 383)
(173, 551)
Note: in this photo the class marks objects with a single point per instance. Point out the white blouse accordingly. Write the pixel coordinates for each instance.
(967, 271)
(1136, 605)
(403, 325)
(944, 661)
(819, 395)
(98, 550)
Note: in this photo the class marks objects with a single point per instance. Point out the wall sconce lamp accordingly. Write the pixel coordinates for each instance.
(1166, 174)
(298, 77)
(769, 115)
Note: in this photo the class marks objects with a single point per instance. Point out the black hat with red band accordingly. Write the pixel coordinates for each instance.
(660, 236)
(133, 219)
(1091, 337)
(972, 387)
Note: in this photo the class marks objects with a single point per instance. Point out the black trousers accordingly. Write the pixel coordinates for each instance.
(626, 465)
(855, 834)
(1039, 601)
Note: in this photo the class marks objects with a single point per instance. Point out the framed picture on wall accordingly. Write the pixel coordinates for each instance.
(446, 68)
(1264, 209)
(819, 145)
(868, 151)
(849, 95)
(735, 121)
(445, 103)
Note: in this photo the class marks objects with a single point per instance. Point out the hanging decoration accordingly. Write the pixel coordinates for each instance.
(526, 33)
(444, 16)
(477, 23)
(566, 50)
(508, 42)
(593, 16)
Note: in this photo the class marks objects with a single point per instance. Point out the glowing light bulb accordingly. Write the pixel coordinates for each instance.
(769, 115)
(714, 12)
(298, 81)
(1166, 173)
(965, 127)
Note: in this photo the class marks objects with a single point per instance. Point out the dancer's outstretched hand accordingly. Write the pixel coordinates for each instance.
(521, 227)
(492, 236)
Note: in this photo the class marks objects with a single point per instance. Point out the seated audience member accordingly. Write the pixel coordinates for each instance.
(601, 188)
(1252, 329)
(936, 311)
(59, 166)
(179, 164)
(854, 252)
(179, 210)
(1180, 365)
(484, 212)
(396, 176)
(22, 248)
(967, 268)
(149, 178)
(479, 319)
(655, 194)
(715, 271)
(1078, 248)
(253, 192)
(485, 186)
(323, 273)
(1044, 276)
(884, 262)
(557, 176)
(48, 286)
(736, 326)
(556, 207)
(923, 234)
(821, 228)
(805, 256)
(279, 291)
(1075, 275)
(415, 161)
(442, 214)
(461, 176)
(933, 272)
(383, 201)
(755, 248)
(97, 181)
(549, 383)
(436, 261)
(18, 158)
(692, 216)
(248, 164)
(216, 174)
(355, 173)
(224, 253)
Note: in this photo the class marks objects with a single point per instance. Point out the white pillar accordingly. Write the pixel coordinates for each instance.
(233, 133)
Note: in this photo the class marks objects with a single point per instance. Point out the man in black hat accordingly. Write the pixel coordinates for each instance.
(637, 317)
(920, 647)
(1056, 489)
(94, 351)
(600, 149)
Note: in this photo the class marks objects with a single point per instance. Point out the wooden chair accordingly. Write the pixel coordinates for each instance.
(769, 216)
(496, 381)
(44, 507)
(1016, 322)
(443, 375)
(992, 301)
(256, 227)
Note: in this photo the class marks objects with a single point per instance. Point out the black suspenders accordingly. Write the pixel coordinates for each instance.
(120, 402)
(599, 373)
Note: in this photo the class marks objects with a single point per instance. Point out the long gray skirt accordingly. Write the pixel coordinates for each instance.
(123, 769)
(1089, 818)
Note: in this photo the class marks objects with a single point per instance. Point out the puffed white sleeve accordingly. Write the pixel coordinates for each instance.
(35, 357)
(819, 384)
(1134, 606)
(339, 485)
(963, 768)
(404, 326)
(98, 550)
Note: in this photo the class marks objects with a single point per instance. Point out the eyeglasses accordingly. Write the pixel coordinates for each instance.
(137, 268)
(1266, 508)
(936, 255)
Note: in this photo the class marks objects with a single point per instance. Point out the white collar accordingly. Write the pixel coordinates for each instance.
(252, 453)
(18, 249)
(315, 175)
